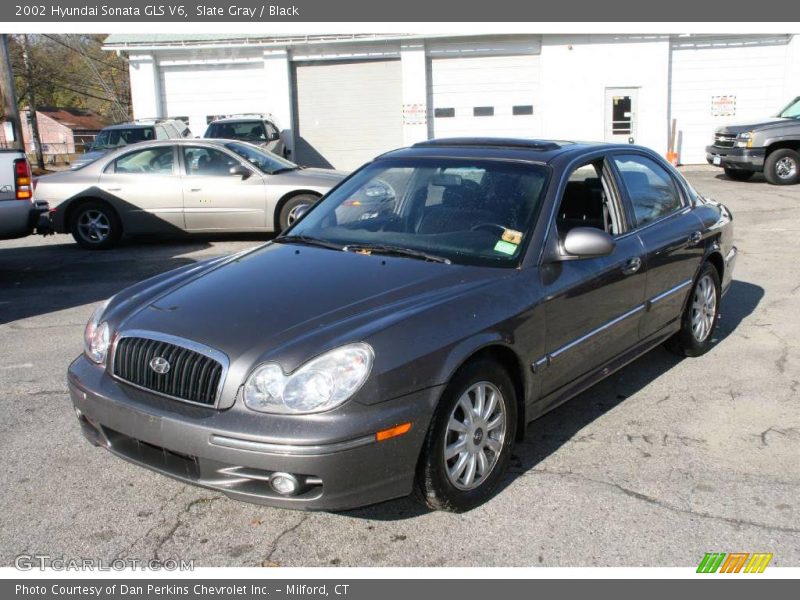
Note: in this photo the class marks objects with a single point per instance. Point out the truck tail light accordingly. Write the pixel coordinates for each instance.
(22, 179)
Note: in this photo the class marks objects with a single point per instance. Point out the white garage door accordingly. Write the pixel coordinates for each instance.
(716, 82)
(199, 91)
(347, 112)
(486, 95)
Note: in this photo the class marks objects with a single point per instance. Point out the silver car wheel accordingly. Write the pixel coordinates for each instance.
(94, 226)
(786, 168)
(296, 212)
(704, 308)
(475, 435)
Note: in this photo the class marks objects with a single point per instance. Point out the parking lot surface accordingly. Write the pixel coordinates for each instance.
(664, 461)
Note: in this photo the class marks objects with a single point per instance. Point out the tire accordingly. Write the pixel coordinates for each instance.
(696, 334)
(782, 167)
(286, 217)
(434, 484)
(738, 174)
(107, 229)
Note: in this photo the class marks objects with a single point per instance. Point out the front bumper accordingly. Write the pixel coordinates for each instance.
(237, 450)
(745, 159)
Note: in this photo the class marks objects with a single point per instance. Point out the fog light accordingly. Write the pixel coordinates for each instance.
(285, 484)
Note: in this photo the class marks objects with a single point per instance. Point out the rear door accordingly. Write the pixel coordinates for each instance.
(594, 305)
(670, 233)
(144, 187)
(213, 199)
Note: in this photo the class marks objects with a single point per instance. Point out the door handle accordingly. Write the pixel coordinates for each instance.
(695, 238)
(632, 265)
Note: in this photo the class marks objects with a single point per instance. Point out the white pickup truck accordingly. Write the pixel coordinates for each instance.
(19, 214)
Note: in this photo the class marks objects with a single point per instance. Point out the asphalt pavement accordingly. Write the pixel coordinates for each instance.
(664, 461)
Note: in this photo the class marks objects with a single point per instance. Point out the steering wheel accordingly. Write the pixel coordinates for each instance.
(488, 227)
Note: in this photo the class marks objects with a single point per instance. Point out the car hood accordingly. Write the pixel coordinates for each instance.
(292, 302)
(743, 126)
(309, 176)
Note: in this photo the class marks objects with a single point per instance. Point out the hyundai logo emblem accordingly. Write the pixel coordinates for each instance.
(160, 365)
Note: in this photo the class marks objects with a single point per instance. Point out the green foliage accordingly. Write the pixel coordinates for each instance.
(71, 71)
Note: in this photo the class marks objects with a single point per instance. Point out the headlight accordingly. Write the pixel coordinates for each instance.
(319, 385)
(744, 140)
(97, 336)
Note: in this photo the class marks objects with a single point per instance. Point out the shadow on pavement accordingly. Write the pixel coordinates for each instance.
(547, 434)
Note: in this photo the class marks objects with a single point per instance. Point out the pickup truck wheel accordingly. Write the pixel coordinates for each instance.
(95, 226)
(782, 167)
(738, 174)
(467, 449)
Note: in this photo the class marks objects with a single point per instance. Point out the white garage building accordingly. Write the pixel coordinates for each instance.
(342, 99)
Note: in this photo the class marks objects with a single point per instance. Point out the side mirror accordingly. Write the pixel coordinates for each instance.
(240, 170)
(587, 242)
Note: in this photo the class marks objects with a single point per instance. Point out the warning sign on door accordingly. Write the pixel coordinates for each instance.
(723, 106)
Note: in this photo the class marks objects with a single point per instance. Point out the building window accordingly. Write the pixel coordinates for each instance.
(523, 109)
(444, 113)
(483, 111)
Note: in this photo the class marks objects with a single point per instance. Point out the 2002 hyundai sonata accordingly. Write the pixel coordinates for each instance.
(401, 341)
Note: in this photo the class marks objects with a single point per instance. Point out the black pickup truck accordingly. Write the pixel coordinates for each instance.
(771, 146)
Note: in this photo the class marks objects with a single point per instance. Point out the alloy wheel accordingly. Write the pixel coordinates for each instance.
(475, 435)
(94, 226)
(295, 213)
(704, 308)
(786, 168)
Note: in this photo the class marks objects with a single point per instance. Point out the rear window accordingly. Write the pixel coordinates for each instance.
(248, 131)
(108, 139)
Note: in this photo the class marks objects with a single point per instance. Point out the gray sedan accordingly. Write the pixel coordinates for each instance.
(174, 186)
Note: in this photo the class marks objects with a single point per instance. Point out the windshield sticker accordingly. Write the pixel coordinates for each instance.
(505, 247)
(512, 236)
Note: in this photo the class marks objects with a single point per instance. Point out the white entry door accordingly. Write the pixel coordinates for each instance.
(621, 115)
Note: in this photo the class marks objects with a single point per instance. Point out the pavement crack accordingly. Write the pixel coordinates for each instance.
(179, 521)
(665, 505)
(288, 531)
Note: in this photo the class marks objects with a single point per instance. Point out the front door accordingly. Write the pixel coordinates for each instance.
(594, 305)
(213, 198)
(621, 115)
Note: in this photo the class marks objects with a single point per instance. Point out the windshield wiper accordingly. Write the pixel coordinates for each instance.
(395, 250)
(309, 241)
(283, 170)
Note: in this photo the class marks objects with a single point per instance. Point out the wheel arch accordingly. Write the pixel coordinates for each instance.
(276, 215)
(780, 144)
(75, 203)
(503, 354)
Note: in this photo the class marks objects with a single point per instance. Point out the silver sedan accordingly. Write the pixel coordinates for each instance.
(174, 186)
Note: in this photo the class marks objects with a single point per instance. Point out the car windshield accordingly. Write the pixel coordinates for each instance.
(249, 131)
(264, 161)
(108, 139)
(792, 111)
(477, 212)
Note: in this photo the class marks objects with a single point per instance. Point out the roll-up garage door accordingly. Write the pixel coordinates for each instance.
(485, 96)
(347, 112)
(200, 91)
(717, 81)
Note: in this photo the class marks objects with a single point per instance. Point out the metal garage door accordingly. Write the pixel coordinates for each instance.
(716, 81)
(198, 91)
(346, 113)
(485, 95)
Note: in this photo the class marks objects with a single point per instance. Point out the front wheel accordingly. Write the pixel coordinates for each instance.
(738, 174)
(782, 167)
(294, 208)
(468, 446)
(699, 319)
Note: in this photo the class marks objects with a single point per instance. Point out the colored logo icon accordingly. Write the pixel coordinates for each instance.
(735, 562)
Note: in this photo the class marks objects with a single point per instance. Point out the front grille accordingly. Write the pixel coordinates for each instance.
(192, 376)
(724, 140)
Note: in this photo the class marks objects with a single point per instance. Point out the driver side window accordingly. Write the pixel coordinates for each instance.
(207, 162)
(586, 202)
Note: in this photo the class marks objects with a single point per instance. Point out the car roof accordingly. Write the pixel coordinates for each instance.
(530, 150)
(239, 119)
(142, 124)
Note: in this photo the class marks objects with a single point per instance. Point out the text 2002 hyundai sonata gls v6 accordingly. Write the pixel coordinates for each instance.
(401, 341)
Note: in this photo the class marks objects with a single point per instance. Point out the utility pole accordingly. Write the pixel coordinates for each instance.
(9, 93)
(37, 141)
